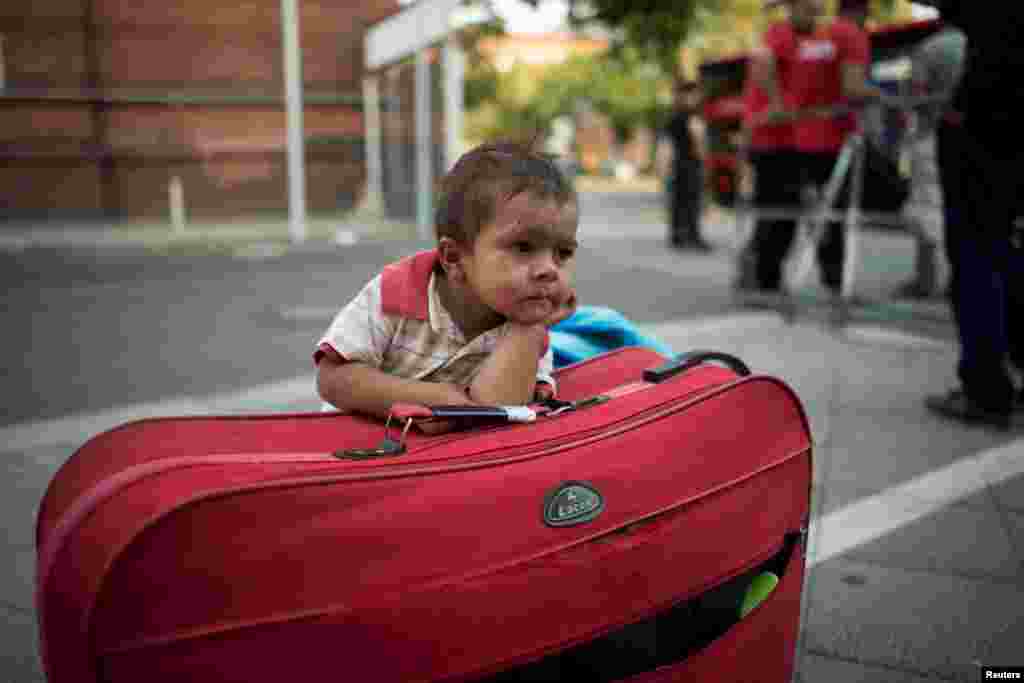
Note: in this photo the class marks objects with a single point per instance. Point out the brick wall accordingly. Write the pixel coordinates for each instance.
(100, 112)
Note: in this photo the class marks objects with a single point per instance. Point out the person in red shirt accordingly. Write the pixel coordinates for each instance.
(770, 152)
(813, 67)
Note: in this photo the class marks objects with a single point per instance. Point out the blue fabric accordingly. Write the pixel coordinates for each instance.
(593, 330)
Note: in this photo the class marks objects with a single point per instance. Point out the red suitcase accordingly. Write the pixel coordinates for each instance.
(608, 539)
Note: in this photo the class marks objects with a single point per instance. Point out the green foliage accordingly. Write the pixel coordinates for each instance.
(481, 79)
(624, 86)
(655, 28)
(629, 90)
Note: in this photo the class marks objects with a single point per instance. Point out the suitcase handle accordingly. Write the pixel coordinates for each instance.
(692, 359)
(406, 411)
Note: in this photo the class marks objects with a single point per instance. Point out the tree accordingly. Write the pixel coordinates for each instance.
(657, 29)
(481, 80)
(628, 90)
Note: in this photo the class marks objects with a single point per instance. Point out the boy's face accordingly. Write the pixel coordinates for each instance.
(522, 263)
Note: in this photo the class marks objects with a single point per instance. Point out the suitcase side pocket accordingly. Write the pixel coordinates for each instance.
(661, 640)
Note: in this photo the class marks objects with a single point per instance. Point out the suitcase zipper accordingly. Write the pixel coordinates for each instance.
(776, 559)
(390, 448)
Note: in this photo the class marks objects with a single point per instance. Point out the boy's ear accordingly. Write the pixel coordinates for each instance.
(450, 256)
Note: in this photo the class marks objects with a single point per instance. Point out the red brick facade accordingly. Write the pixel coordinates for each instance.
(106, 100)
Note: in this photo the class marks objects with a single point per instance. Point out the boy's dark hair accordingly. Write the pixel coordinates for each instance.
(487, 174)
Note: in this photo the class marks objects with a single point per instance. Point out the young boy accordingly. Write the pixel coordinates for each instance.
(467, 322)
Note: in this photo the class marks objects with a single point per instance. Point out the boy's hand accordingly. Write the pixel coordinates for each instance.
(452, 395)
(558, 311)
(563, 310)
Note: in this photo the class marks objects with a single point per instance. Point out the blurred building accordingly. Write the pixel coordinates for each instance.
(104, 102)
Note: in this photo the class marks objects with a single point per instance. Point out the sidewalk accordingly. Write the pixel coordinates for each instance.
(256, 238)
(917, 538)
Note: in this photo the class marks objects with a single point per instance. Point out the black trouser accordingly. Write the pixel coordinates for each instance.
(777, 186)
(780, 175)
(685, 196)
(817, 167)
(981, 192)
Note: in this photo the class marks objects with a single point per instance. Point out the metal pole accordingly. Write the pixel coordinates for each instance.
(424, 147)
(176, 200)
(851, 232)
(454, 99)
(99, 109)
(293, 108)
(374, 168)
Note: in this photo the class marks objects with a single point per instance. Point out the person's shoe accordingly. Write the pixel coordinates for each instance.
(1018, 399)
(957, 406)
(772, 298)
(838, 308)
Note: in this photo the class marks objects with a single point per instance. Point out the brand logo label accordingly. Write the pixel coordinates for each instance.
(571, 503)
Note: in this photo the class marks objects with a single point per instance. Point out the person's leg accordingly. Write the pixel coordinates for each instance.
(675, 206)
(832, 248)
(981, 297)
(923, 215)
(1015, 311)
(691, 195)
(986, 269)
(949, 141)
(1015, 289)
(777, 187)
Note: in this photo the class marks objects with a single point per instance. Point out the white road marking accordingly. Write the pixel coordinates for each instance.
(76, 429)
(875, 516)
